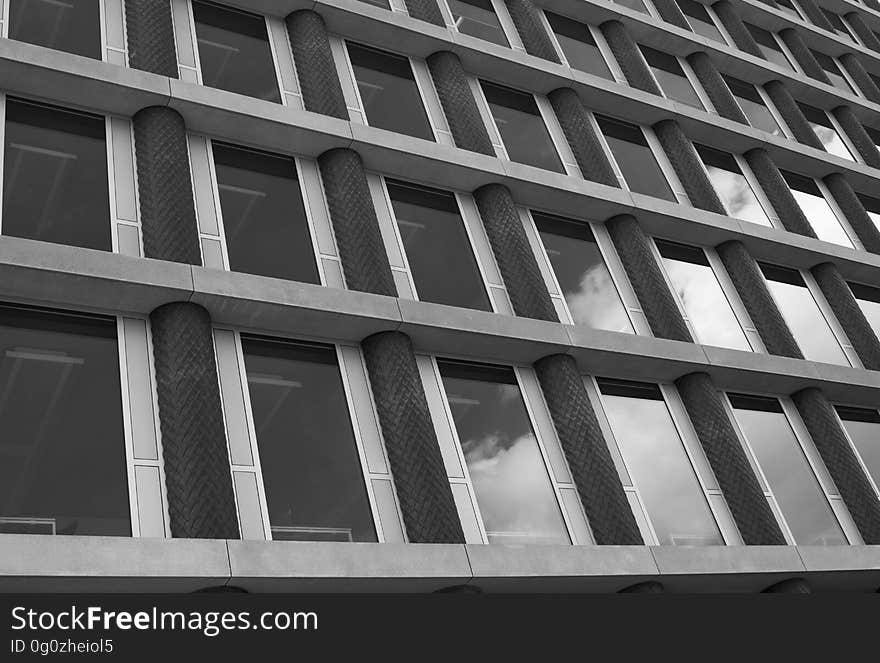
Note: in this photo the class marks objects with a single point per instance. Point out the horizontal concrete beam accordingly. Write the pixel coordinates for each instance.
(32, 563)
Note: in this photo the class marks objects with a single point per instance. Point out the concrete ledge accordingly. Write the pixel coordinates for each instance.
(294, 566)
(837, 568)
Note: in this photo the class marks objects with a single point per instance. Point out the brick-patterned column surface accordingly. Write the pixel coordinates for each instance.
(848, 312)
(581, 136)
(644, 273)
(860, 76)
(425, 10)
(830, 439)
(201, 502)
(731, 467)
(519, 269)
(527, 19)
(855, 212)
(857, 134)
(426, 500)
(150, 36)
(364, 261)
(756, 297)
(318, 80)
(714, 85)
(628, 57)
(804, 57)
(777, 191)
(865, 33)
(687, 165)
(737, 29)
(168, 216)
(670, 12)
(465, 122)
(815, 14)
(586, 451)
(791, 113)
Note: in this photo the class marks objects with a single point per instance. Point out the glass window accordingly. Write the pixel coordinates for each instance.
(55, 186)
(312, 473)
(234, 51)
(769, 46)
(437, 246)
(521, 127)
(825, 131)
(384, 4)
(582, 274)
(752, 104)
(264, 219)
(788, 473)
(700, 293)
(700, 19)
(477, 18)
(658, 463)
(868, 298)
(389, 92)
(507, 470)
(635, 158)
(873, 134)
(789, 8)
(863, 427)
(830, 66)
(637, 5)
(74, 27)
(802, 315)
(839, 26)
(817, 210)
(578, 45)
(63, 443)
(671, 77)
(732, 186)
(872, 206)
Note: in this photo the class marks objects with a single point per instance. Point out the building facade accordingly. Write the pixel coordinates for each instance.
(431, 295)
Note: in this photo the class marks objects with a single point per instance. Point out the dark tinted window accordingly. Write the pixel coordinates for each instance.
(816, 208)
(638, 5)
(825, 131)
(868, 299)
(872, 206)
(769, 47)
(671, 77)
(635, 158)
(62, 441)
(522, 128)
(874, 134)
(437, 246)
(838, 24)
(789, 8)
(830, 66)
(579, 46)
(585, 281)
(263, 215)
(389, 92)
(752, 105)
(700, 20)
(73, 26)
(863, 426)
(732, 186)
(311, 469)
(477, 18)
(55, 176)
(234, 51)
(504, 461)
(384, 4)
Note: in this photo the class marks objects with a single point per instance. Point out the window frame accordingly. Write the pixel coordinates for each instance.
(507, 26)
(835, 210)
(814, 460)
(690, 76)
(768, 104)
(725, 35)
(855, 156)
(602, 46)
(781, 47)
(228, 348)
(854, 89)
(852, 444)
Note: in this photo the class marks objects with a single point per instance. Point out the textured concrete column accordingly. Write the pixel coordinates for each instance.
(731, 467)
(865, 33)
(858, 73)
(150, 36)
(791, 113)
(598, 483)
(827, 433)
(848, 312)
(857, 134)
(168, 216)
(756, 297)
(737, 29)
(854, 211)
(519, 269)
(670, 12)
(425, 10)
(318, 80)
(527, 19)
(790, 586)
(644, 273)
(201, 502)
(465, 122)
(780, 196)
(579, 133)
(803, 55)
(688, 166)
(628, 57)
(715, 87)
(364, 261)
(815, 14)
(426, 500)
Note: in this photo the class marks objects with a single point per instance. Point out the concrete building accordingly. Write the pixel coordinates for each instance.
(419, 295)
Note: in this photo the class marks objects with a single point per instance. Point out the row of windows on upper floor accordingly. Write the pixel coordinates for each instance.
(82, 452)
(234, 53)
(265, 214)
